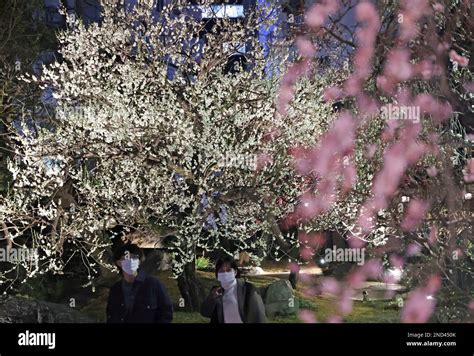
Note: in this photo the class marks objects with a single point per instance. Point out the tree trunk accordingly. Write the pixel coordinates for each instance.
(295, 256)
(294, 276)
(189, 288)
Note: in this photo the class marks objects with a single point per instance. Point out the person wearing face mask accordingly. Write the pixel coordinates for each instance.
(235, 301)
(137, 298)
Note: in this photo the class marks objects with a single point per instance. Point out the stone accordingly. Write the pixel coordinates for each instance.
(280, 299)
(255, 271)
(15, 310)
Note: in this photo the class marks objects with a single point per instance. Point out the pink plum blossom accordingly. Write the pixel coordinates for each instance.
(418, 308)
(455, 57)
(305, 47)
(307, 316)
(416, 211)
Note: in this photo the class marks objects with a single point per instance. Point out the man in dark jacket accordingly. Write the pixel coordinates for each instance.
(137, 298)
(235, 301)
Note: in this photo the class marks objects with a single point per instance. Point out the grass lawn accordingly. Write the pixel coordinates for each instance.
(323, 307)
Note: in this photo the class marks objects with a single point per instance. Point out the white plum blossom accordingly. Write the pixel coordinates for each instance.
(152, 130)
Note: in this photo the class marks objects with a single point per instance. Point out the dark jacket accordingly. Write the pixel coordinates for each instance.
(250, 302)
(149, 302)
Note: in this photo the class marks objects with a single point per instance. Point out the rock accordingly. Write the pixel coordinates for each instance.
(23, 310)
(255, 271)
(280, 299)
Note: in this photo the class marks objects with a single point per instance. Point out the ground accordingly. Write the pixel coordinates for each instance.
(323, 307)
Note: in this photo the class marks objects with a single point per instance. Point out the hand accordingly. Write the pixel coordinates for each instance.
(217, 292)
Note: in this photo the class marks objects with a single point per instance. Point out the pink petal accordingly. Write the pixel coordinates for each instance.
(372, 269)
(469, 87)
(366, 12)
(305, 47)
(398, 65)
(455, 57)
(263, 159)
(418, 308)
(332, 94)
(433, 236)
(356, 278)
(386, 84)
(432, 171)
(317, 14)
(433, 284)
(413, 250)
(307, 316)
(438, 7)
(330, 286)
(345, 302)
(471, 305)
(397, 261)
(349, 177)
(294, 267)
(469, 171)
(334, 319)
(306, 253)
(355, 242)
(370, 150)
(416, 212)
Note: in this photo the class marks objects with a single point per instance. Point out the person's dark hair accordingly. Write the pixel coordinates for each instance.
(130, 248)
(227, 260)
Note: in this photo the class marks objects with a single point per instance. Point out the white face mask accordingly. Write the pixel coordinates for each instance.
(226, 278)
(130, 265)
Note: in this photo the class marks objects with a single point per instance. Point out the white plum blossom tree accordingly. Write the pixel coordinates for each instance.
(155, 130)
